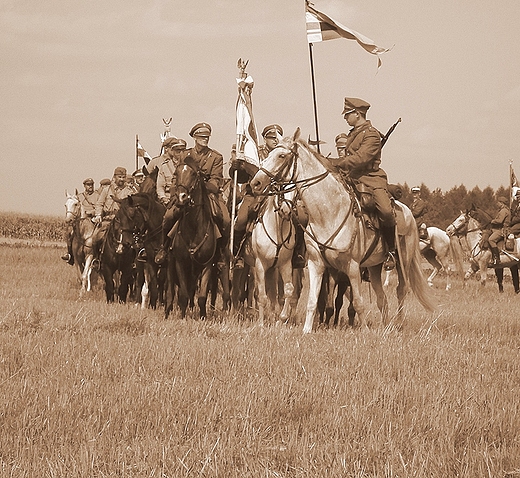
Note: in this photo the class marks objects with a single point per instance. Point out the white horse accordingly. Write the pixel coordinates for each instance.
(436, 250)
(336, 236)
(82, 228)
(269, 251)
(468, 229)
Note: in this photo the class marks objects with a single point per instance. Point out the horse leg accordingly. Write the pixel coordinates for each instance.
(515, 279)
(288, 290)
(354, 275)
(338, 303)
(316, 269)
(260, 290)
(377, 286)
(387, 278)
(206, 279)
(499, 273)
(223, 275)
(109, 283)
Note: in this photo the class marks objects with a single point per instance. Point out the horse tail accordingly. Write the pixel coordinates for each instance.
(416, 278)
(456, 254)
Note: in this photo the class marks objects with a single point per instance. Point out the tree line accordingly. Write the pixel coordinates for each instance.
(444, 207)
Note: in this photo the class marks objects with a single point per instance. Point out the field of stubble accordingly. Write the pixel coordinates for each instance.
(95, 390)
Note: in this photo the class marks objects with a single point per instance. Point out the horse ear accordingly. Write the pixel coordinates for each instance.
(296, 135)
(66, 194)
(76, 191)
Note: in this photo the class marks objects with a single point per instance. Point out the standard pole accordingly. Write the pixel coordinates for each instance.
(314, 99)
(136, 152)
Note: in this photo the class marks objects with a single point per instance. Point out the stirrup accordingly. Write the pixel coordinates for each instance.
(142, 256)
(390, 261)
(95, 264)
(66, 257)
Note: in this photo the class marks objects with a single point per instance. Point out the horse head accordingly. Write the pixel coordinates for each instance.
(459, 224)
(279, 166)
(127, 225)
(72, 207)
(187, 178)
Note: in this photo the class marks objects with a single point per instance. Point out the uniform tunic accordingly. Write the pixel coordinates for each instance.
(362, 160)
(166, 179)
(88, 203)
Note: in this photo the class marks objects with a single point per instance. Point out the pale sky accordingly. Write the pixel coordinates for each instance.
(80, 79)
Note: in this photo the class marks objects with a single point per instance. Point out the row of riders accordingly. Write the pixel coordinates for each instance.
(357, 164)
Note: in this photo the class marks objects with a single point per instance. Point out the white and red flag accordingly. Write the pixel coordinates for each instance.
(247, 136)
(321, 27)
(141, 153)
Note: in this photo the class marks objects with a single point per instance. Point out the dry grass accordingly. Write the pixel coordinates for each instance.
(91, 390)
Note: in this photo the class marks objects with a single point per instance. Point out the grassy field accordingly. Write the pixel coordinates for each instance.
(92, 390)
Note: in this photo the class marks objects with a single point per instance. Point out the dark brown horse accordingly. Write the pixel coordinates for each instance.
(147, 222)
(195, 242)
(118, 250)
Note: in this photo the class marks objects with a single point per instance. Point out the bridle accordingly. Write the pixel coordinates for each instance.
(288, 165)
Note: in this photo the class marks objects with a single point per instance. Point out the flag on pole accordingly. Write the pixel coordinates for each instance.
(321, 27)
(247, 136)
(141, 153)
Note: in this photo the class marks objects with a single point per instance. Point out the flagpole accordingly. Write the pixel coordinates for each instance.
(136, 152)
(314, 99)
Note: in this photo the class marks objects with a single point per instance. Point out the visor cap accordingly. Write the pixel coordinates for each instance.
(355, 104)
(272, 128)
(201, 129)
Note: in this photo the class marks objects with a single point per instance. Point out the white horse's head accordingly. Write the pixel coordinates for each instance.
(277, 167)
(72, 206)
(458, 224)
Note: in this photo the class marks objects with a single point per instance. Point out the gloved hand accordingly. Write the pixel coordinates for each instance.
(96, 219)
(237, 164)
(165, 201)
(212, 188)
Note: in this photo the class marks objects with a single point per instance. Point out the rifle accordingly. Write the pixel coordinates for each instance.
(384, 139)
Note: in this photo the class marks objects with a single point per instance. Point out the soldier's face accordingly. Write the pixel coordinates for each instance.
(89, 188)
(342, 151)
(201, 141)
(120, 179)
(271, 142)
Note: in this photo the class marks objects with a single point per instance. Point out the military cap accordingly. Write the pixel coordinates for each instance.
(503, 200)
(174, 142)
(88, 181)
(272, 128)
(104, 182)
(119, 171)
(355, 104)
(201, 129)
(341, 139)
(138, 173)
(416, 189)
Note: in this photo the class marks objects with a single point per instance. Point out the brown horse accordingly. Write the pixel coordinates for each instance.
(195, 243)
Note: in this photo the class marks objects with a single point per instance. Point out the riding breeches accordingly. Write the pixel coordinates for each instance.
(495, 237)
(384, 207)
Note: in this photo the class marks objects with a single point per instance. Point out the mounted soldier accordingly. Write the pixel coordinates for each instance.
(173, 152)
(494, 233)
(211, 164)
(87, 200)
(362, 164)
(106, 208)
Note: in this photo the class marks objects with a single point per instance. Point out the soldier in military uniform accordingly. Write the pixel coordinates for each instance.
(341, 141)
(211, 164)
(174, 150)
(514, 224)
(495, 232)
(362, 162)
(106, 208)
(87, 200)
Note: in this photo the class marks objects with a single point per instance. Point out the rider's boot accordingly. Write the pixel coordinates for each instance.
(496, 255)
(388, 233)
(160, 255)
(69, 257)
(298, 258)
